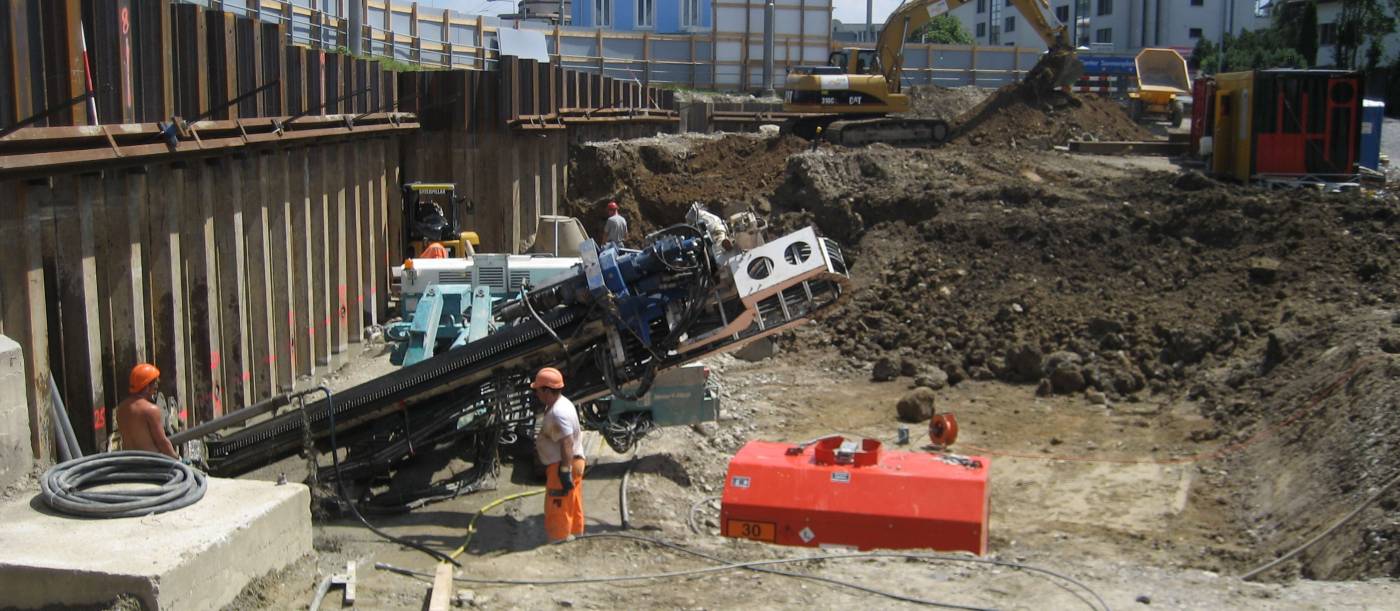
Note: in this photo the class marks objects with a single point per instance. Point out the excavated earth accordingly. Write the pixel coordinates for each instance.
(1175, 380)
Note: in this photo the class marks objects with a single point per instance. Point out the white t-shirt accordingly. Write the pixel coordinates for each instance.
(558, 422)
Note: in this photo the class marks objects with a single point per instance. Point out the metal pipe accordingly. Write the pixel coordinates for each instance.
(357, 26)
(68, 448)
(238, 417)
(768, 49)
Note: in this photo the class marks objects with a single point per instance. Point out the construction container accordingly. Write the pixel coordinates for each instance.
(851, 493)
(1372, 117)
(1287, 125)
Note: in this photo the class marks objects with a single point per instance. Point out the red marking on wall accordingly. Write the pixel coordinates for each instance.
(271, 358)
(215, 360)
(360, 298)
(99, 418)
(247, 375)
(184, 415)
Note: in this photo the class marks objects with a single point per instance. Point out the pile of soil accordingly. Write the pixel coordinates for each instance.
(1014, 117)
(947, 103)
(655, 180)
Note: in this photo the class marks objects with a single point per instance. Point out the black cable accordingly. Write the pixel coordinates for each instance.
(68, 486)
(340, 489)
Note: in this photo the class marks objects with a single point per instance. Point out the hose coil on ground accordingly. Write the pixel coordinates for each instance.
(69, 487)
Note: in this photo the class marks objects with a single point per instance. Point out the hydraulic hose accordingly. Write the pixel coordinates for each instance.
(68, 486)
(340, 487)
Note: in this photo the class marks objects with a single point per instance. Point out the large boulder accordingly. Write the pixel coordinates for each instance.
(886, 369)
(1025, 362)
(916, 405)
(1067, 379)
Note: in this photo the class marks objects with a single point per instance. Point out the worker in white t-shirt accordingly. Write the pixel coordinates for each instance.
(560, 446)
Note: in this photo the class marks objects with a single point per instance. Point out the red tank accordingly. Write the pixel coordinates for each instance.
(849, 493)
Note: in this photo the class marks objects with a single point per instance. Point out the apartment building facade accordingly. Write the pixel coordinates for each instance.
(659, 16)
(1117, 25)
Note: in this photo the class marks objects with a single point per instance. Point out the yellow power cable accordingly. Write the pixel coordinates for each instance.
(471, 526)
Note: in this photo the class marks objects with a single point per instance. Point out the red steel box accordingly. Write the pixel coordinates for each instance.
(847, 493)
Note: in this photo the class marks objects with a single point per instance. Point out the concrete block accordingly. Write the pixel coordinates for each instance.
(16, 457)
(199, 557)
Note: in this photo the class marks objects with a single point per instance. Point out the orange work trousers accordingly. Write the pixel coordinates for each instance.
(563, 513)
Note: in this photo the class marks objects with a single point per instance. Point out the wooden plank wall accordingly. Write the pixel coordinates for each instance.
(251, 272)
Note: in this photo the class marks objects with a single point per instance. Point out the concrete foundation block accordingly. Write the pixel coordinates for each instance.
(199, 557)
(16, 457)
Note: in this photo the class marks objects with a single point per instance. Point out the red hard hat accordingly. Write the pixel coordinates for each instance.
(549, 377)
(141, 376)
(612, 206)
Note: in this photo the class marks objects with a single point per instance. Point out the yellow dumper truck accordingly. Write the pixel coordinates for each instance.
(1162, 79)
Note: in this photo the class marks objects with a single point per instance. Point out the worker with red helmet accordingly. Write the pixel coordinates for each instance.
(560, 447)
(616, 228)
(138, 418)
(434, 251)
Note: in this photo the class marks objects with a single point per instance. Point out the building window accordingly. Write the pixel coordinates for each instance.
(1105, 7)
(1010, 25)
(1327, 34)
(981, 30)
(1195, 33)
(690, 13)
(645, 16)
(602, 13)
(1198, 2)
(1062, 13)
(1104, 35)
(981, 6)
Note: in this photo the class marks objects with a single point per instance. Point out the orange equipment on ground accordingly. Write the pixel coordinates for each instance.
(852, 493)
(943, 430)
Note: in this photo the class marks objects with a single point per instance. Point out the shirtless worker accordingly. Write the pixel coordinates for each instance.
(560, 446)
(138, 418)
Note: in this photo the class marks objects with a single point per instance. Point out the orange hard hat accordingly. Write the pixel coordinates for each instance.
(612, 206)
(549, 377)
(141, 376)
(434, 251)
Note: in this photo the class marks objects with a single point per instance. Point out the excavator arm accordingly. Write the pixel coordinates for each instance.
(914, 14)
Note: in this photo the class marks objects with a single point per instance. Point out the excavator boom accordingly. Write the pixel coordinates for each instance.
(859, 87)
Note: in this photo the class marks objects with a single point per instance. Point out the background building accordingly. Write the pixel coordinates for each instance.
(660, 16)
(1117, 25)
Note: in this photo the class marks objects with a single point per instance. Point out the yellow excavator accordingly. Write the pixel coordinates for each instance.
(853, 94)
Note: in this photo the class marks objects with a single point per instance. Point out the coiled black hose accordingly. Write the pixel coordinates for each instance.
(68, 487)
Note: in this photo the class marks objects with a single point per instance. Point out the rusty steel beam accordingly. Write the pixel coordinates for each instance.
(41, 151)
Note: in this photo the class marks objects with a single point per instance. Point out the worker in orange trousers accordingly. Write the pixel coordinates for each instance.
(560, 447)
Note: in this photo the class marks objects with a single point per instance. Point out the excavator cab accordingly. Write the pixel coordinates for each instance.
(430, 215)
(854, 60)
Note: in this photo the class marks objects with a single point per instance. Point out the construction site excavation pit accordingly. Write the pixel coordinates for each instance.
(1176, 381)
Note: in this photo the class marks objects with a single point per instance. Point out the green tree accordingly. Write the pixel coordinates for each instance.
(1296, 23)
(1361, 21)
(944, 29)
(1206, 56)
(1307, 39)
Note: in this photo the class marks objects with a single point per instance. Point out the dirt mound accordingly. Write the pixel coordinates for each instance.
(947, 103)
(1035, 268)
(654, 180)
(1012, 116)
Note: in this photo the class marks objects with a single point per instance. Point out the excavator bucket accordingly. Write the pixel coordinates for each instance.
(1056, 70)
